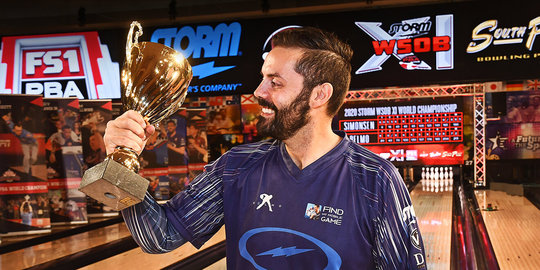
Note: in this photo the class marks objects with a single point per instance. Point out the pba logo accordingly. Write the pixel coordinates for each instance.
(58, 65)
(408, 37)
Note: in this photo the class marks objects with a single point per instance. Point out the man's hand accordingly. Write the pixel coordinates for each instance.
(128, 130)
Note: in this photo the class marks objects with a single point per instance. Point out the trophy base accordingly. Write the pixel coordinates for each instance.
(114, 185)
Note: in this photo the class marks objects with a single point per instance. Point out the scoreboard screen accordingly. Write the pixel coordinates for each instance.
(427, 131)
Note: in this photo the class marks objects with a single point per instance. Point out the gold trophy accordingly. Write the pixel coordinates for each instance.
(155, 81)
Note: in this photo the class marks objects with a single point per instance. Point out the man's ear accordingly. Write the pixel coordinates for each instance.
(321, 94)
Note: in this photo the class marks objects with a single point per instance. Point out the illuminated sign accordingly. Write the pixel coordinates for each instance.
(370, 124)
(404, 39)
(59, 65)
(203, 42)
(432, 154)
(487, 33)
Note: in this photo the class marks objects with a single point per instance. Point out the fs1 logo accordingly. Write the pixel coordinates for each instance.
(406, 38)
(487, 33)
(203, 42)
(59, 65)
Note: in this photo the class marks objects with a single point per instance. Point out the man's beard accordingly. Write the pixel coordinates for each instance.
(287, 121)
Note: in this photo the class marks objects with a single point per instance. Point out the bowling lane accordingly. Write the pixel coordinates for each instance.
(432, 201)
(137, 259)
(38, 254)
(512, 229)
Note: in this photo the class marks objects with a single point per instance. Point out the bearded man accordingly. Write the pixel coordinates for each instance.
(261, 191)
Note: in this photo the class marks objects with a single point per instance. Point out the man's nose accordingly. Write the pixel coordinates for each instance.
(262, 90)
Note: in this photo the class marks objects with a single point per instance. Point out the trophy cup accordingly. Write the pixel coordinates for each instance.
(155, 81)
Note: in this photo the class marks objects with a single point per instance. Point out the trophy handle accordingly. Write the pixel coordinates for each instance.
(130, 43)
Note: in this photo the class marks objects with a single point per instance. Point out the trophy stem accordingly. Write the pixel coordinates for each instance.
(126, 157)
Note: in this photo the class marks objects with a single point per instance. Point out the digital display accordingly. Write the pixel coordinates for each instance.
(426, 131)
(406, 122)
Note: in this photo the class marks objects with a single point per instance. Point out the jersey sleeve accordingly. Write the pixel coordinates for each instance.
(149, 227)
(197, 212)
(398, 243)
(193, 215)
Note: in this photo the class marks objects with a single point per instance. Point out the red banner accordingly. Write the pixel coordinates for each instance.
(23, 188)
(432, 154)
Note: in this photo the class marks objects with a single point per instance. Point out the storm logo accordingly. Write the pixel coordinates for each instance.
(58, 65)
(204, 41)
(334, 260)
(405, 39)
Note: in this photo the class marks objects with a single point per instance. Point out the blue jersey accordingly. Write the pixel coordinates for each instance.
(347, 210)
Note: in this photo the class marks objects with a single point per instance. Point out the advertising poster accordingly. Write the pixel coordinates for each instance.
(219, 144)
(175, 128)
(417, 131)
(24, 206)
(94, 116)
(250, 112)
(224, 127)
(197, 141)
(154, 163)
(516, 134)
(223, 115)
(513, 141)
(65, 162)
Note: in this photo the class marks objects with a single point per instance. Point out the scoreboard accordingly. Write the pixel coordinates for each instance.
(426, 131)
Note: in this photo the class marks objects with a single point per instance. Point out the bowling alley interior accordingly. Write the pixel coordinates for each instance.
(448, 91)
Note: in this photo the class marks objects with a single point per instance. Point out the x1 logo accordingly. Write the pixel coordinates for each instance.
(403, 42)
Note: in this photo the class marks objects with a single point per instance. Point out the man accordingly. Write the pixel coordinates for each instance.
(176, 144)
(29, 147)
(196, 144)
(260, 191)
(65, 137)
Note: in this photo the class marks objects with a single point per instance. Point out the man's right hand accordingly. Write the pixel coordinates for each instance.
(128, 130)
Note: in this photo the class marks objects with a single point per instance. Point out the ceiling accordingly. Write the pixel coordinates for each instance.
(20, 17)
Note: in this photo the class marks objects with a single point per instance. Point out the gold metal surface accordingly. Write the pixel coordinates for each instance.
(154, 81)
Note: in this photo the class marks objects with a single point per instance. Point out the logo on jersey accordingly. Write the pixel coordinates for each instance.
(333, 258)
(415, 238)
(58, 65)
(408, 214)
(402, 40)
(265, 200)
(324, 213)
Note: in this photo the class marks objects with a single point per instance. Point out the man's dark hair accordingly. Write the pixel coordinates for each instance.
(171, 121)
(326, 59)
(66, 127)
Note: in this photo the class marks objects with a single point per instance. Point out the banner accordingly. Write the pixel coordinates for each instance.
(65, 162)
(24, 206)
(197, 141)
(513, 141)
(467, 41)
(94, 116)
(175, 128)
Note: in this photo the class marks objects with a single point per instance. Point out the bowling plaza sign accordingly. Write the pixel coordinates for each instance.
(430, 44)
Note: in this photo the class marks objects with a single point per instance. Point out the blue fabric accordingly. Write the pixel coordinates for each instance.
(348, 210)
